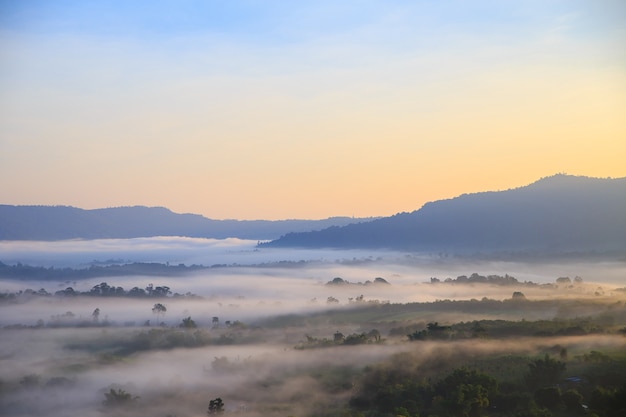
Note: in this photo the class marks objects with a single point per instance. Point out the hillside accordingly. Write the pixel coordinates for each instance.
(558, 213)
(62, 222)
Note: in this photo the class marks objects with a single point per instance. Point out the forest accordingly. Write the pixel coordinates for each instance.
(559, 355)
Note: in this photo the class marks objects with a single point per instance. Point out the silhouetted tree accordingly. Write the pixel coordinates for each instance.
(95, 315)
(118, 397)
(356, 339)
(102, 289)
(216, 406)
(137, 292)
(159, 309)
(374, 335)
(188, 323)
(518, 296)
(161, 291)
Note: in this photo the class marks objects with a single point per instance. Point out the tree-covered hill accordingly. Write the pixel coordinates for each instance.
(555, 214)
(63, 222)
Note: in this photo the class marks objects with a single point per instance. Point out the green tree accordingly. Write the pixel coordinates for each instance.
(548, 397)
(466, 400)
(403, 412)
(544, 372)
(600, 399)
(188, 323)
(466, 392)
(573, 401)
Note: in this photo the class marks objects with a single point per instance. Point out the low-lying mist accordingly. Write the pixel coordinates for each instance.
(354, 265)
(274, 332)
(270, 379)
(247, 294)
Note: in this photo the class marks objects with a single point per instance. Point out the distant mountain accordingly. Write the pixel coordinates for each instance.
(558, 213)
(62, 222)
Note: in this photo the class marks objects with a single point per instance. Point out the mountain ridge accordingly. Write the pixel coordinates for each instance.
(49, 223)
(560, 212)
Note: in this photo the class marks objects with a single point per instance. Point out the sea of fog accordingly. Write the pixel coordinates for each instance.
(354, 265)
(54, 339)
(261, 282)
(173, 250)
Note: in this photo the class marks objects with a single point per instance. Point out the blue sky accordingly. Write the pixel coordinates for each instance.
(226, 108)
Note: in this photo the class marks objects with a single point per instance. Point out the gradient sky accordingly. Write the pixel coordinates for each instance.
(304, 109)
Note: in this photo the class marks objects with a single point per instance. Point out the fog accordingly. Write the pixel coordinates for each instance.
(362, 264)
(63, 364)
(76, 253)
(247, 294)
(260, 285)
(268, 379)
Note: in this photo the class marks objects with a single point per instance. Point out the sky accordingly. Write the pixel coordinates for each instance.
(246, 109)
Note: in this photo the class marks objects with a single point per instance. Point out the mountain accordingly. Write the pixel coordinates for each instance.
(558, 213)
(62, 222)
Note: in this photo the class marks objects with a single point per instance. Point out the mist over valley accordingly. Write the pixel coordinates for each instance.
(312, 208)
(185, 326)
(279, 332)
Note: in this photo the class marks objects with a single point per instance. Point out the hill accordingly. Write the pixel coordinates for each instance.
(558, 213)
(62, 222)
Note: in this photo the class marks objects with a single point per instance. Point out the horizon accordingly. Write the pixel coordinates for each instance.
(312, 110)
(560, 174)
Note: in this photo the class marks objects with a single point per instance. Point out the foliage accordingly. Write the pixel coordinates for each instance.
(466, 392)
(573, 401)
(188, 323)
(118, 397)
(433, 331)
(544, 372)
(373, 336)
(216, 406)
(28, 272)
(609, 402)
(408, 385)
(159, 309)
(548, 397)
(100, 290)
(443, 376)
(463, 392)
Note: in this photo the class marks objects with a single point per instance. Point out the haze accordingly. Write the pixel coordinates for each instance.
(265, 282)
(58, 359)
